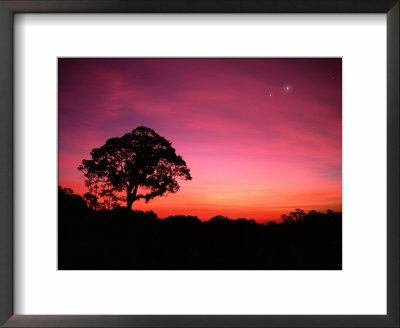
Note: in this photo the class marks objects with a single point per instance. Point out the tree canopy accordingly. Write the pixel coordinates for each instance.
(139, 165)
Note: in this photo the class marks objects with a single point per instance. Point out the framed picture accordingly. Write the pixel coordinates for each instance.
(164, 166)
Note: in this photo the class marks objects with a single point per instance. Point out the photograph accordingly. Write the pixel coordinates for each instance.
(199, 163)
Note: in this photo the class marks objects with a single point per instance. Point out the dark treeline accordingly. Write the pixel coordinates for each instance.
(122, 239)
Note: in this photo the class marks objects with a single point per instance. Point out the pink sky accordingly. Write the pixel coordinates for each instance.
(260, 136)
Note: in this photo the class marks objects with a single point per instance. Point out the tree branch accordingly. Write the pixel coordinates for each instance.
(149, 196)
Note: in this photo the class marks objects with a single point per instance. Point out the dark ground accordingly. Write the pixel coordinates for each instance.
(121, 239)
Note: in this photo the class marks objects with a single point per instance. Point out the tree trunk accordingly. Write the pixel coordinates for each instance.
(129, 201)
(131, 196)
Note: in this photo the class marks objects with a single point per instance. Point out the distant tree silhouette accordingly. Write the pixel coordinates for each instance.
(330, 212)
(91, 200)
(110, 199)
(65, 191)
(219, 218)
(70, 202)
(182, 219)
(296, 216)
(139, 165)
(287, 219)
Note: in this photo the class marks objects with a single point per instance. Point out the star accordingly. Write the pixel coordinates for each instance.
(287, 88)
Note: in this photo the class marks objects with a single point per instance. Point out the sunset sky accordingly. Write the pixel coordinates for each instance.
(260, 136)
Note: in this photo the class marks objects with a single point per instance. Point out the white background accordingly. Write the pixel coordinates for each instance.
(360, 288)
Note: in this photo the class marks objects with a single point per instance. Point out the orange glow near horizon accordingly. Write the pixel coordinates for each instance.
(260, 136)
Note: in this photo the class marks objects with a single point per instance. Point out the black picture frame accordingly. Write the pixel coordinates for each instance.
(10, 7)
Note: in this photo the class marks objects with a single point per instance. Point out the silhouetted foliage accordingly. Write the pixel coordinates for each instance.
(70, 202)
(91, 200)
(297, 214)
(182, 219)
(219, 219)
(294, 217)
(121, 239)
(139, 165)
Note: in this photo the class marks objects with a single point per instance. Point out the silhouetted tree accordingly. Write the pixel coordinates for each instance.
(110, 199)
(246, 221)
(182, 219)
(297, 214)
(65, 191)
(141, 165)
(287, 219)
(219, 218)
(91, 200)
(70, 202)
